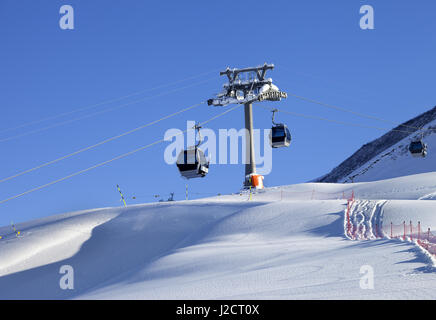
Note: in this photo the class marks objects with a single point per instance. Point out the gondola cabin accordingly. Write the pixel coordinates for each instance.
(280, 136)
(192, 163)
(418, 149)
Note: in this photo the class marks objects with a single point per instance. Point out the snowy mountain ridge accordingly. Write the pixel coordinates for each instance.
(380, 158)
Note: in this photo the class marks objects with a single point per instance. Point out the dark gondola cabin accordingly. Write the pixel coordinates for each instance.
(418, 149)
(280, 136)
(192, 163)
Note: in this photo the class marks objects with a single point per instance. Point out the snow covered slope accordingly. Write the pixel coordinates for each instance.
(388, 156)
(396, 161)
(286, 243)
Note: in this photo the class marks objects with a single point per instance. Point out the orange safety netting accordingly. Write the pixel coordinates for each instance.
(408, 231)
(311, 195)
(411, 232)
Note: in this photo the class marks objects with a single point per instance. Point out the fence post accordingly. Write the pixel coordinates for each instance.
(428, 235)
(404, 233)
(411, 231)
(419, 232)
(348, 218)
(391, 230)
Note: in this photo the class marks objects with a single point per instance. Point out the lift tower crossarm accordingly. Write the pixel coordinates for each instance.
(251, 89)
(260, 72)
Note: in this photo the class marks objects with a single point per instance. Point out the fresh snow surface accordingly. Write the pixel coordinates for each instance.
(285, 243)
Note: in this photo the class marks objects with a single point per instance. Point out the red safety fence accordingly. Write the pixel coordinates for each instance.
(351, 229)
(406, 231)
(284, 194)
(412, 232)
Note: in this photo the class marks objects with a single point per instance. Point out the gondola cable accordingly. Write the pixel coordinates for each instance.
(361, 115)
(98, 112)
(109, 161)
(334, 121)
(100, 143)
(60, 115)
(417, 147)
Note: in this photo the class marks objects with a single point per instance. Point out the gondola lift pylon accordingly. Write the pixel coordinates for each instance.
(254, 88)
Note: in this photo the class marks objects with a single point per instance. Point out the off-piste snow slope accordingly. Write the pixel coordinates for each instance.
(388, 156)
(284, 243)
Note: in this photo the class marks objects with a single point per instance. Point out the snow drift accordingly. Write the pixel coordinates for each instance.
(286, 243)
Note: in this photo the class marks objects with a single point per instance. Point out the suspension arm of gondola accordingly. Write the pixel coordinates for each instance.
(197, 127)
(273, 114)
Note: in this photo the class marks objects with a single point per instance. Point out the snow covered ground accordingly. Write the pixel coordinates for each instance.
(397, 161)
(285, 243)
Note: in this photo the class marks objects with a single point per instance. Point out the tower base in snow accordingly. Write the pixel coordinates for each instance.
(254, 181)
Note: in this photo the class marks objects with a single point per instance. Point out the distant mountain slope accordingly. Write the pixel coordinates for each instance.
(389, 148)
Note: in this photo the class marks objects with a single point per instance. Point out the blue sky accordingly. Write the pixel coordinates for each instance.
(121, 47)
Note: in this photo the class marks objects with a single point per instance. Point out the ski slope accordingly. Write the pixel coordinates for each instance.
(285, 243)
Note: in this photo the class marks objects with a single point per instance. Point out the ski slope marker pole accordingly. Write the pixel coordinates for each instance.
(17, 233)
(122, 197)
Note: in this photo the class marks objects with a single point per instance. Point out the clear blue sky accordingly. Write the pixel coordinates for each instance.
(120, 47)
